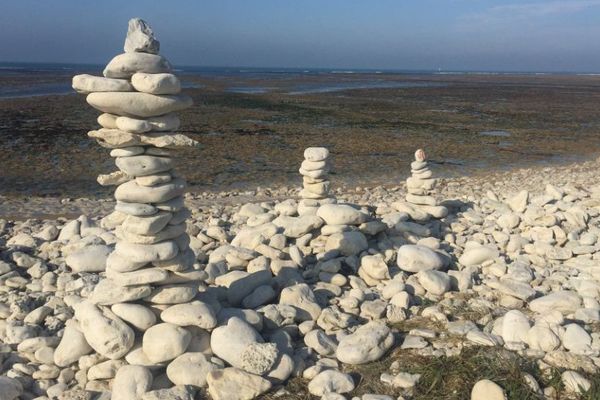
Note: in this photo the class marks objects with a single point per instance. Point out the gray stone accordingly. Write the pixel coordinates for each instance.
(140, 38)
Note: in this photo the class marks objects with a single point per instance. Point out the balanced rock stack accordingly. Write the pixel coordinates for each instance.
(420, 201)
(314, 171)
(137, 311)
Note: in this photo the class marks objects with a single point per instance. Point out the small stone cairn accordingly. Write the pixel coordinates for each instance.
(420, 203)
(137, 312)
(314, 170)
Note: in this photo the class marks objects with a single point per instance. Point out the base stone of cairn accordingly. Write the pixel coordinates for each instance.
(421, 203)
(142, 312)
(314, 170)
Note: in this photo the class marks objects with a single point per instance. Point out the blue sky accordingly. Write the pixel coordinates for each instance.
(524, 35)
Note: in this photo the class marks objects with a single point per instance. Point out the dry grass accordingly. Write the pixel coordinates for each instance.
(449, 378)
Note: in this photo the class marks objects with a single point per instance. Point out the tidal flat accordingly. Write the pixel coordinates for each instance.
(372, 123)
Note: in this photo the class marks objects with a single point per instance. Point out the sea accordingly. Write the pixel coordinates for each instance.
(55, 79)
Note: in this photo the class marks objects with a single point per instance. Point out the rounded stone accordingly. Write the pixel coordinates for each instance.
(330, 381)
(316, 153)
(190, 369)
(164, 342)
(341, 214)
(487, 390)
(131, 382)
(195, 313)
(229, 342)
(415, 258)
(72, 346)
(156, 83)
(368, 343)
(477, 256)
(137, 315)
(106, 333)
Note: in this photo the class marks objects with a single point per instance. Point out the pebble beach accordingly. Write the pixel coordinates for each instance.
(319, 284)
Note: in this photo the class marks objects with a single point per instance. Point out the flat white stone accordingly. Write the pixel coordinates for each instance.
(565, 301)
(88, 83)
(127, 151)
(172, 294)
(126, 64)
(146, 253)
(115, 138)
(144, 165)
(136, 209)
(132, 192)
(142, 276)
(195, 313)
(153, 180)
(147, 225)
(168, 233)
(136, 104)
(107, 292)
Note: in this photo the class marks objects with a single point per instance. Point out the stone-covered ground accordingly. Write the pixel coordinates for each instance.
(500, 298)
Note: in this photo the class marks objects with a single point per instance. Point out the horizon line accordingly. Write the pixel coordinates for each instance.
(342, 69)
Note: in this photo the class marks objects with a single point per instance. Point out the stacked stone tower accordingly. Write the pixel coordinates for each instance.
(137, 312)
(315, 180)
(421, 203)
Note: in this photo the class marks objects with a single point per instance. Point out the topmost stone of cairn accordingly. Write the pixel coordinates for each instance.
(140, 38)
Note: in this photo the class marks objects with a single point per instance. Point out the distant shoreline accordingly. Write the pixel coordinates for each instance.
(25, 67)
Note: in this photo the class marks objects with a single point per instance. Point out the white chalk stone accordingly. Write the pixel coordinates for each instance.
(156, 83)
(136, 104)
(125, 65)
(88, 83)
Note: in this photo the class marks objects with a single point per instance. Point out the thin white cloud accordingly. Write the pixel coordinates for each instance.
(518, 12)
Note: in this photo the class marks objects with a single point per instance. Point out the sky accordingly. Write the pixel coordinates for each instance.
(473, 35)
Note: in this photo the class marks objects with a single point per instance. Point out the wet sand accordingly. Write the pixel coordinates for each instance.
(257, 139)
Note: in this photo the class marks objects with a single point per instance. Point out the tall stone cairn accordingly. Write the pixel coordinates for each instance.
(133, 312)
(421, 187)
(315, 180)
